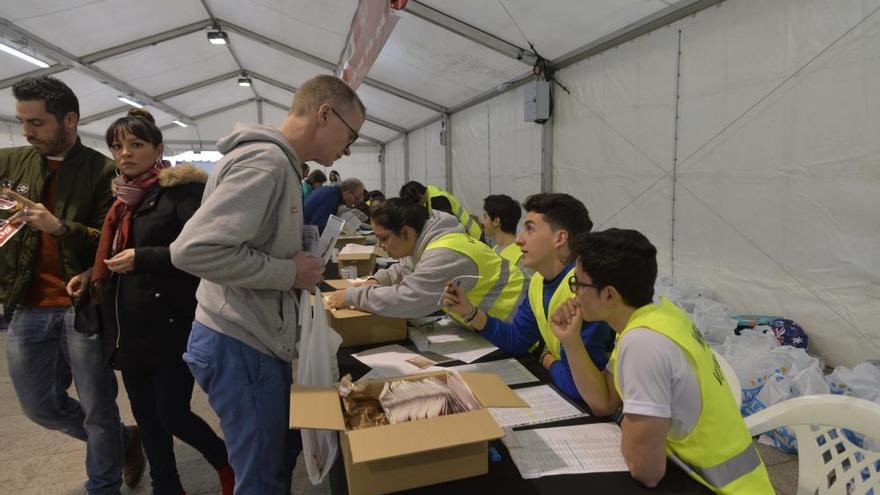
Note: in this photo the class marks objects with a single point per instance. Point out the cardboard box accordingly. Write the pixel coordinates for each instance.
(407, 455)
(361, 327)
(348, 239)
(364, 262)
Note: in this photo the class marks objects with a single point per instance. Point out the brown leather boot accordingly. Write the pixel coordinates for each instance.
(134, 462)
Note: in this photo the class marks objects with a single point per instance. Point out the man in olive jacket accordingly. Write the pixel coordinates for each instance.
(68, 186)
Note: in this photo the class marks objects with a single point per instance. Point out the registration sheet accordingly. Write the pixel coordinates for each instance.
(511, 371)
(545, 405)
(577, 449)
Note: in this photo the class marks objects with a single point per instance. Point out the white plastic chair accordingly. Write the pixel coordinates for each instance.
(732, 380)
(828, 463)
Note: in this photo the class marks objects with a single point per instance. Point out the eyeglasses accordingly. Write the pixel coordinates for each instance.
(574, 284)
(354, 134)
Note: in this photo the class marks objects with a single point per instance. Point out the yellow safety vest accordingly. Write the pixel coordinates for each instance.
(512, 253)
(718, 452)
(471, 226)
(536, 300)
(501, 286)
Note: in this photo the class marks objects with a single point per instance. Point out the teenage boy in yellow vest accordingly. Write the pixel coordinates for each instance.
(551, 220)
(675, 398)
(433, 249)
(499, 220)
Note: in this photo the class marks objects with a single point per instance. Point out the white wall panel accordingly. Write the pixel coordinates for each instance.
(394, 168)
(363, 163)
(779, 182)
(495, 152)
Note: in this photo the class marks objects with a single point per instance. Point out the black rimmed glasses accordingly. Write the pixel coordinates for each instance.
(574, 284)
(354, 134)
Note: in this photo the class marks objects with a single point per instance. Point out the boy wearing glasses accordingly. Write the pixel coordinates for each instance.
(674, 395)
(552, 219)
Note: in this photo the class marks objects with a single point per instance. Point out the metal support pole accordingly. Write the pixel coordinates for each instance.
(406, 158)
(447, 143)
(547, 149)
(382, 166)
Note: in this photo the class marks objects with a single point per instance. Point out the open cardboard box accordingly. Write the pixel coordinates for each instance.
(365, 261)
(389, 458)
(351, 238)
(360, 327)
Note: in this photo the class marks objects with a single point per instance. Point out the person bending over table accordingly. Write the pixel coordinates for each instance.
(434, 250)
(551, 220)
(675, 397)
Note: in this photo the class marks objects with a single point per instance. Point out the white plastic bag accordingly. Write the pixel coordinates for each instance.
(862, 381)
(713, 320)
(317, 366)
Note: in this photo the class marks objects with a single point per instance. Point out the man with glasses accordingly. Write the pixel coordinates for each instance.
(552, 220)
(674, 395)
(325, 201)
(245, 243)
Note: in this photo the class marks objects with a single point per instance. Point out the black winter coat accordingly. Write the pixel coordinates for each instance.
(148, 312)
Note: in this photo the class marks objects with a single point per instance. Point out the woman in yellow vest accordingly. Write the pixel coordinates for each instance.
(551, 220)
(434, 250)
(676, 401)
(435, 198)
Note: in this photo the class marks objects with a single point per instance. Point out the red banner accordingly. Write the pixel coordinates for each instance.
(370, 28)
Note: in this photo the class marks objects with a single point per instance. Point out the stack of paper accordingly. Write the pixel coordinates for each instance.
(545, 405)
(353, 248)
(390, 360)
(566, 450)
(409, 400)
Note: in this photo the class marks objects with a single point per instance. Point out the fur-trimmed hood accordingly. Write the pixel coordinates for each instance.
(184, 173)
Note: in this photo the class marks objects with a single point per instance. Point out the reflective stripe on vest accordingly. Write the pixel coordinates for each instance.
(501, 286)
(512, 253)
(718, 452)
(536, 300)
(470, 225)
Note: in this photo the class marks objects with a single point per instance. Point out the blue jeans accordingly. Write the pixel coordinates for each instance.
(250, 392)
(45, 355)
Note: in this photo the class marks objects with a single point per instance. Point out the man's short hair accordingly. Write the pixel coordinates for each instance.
(60, 99)
(351, 185)
(325, 89)
(623, 259)
(397, 213)
(561, 211)
(505, 208)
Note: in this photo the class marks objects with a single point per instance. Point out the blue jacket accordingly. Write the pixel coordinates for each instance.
(320, 204)
(516, 337)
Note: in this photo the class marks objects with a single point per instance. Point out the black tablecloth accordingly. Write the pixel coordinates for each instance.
(503, 477)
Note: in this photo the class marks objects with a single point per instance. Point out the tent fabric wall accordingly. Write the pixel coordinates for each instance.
(394, 165)
(613, 137)
(427, 157)
(776, 181)
(494, 151)
(363, 163)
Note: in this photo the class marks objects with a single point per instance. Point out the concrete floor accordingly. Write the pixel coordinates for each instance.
(41, 462)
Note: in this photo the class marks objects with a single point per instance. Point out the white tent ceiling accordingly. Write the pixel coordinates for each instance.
(158, 52)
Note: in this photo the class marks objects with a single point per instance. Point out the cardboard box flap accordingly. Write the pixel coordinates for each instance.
(315, 408)
(338, 284)
(491, 391)
(355, 256)
(383, 442)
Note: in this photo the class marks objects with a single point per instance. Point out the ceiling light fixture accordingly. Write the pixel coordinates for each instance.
(180, 124)
(244, 80)
(217, 37)
(129, 101)
(22, 55)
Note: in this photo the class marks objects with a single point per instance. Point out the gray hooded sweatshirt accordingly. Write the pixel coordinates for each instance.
(242, 240)
(412, 288)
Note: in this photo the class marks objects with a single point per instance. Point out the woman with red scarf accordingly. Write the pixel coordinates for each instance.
(146, 305)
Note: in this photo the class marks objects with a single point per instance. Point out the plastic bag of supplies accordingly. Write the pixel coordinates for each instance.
(317, 366)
